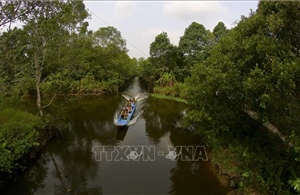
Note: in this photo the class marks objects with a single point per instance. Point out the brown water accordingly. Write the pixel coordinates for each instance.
(71, 163)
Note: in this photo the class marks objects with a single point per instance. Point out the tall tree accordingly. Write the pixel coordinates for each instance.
(107, 36)
(163, 54)
(254, 68)
(219, 31)
(195, 43)
(257, 63)
(148, 72)
(110, 61)
(47, 26)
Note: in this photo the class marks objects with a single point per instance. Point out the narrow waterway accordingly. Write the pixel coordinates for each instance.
(93, 156)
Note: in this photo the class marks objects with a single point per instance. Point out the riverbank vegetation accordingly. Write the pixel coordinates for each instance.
(47, 50)
(18, 137)
(23, 133)
(229, 76)
(53, 52)
(177, 99)
(224, 75)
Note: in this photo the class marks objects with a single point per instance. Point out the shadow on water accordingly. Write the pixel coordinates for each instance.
(121, 133)
(70, 165)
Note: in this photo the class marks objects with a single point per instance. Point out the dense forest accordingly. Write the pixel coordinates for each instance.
(55, 53)
(242, 84)
(52, 54)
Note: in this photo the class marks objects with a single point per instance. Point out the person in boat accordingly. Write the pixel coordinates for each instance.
(126, 107)
(126, 114)
(129, 105)
(132, 102)
(129, 109)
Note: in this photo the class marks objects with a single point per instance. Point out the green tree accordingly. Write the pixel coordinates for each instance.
(254, 67)
(11, 11)
(219, 31)
(47, 26)
(148, 72)
(162, 52)
(106, 36)
(194, 44)
(283, 22)
(14, 64)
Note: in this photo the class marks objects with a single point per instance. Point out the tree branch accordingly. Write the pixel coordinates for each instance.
(14, 15)
(267, 125)
(46, 78)
(49, 102)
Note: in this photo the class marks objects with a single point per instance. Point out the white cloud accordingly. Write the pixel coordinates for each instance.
(124, 9)
(191, 10)
(151, 33)
(228, 25)
(206, 13)
(173, 35)
(139, 22)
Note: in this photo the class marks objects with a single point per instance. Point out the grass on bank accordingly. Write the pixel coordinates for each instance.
(156, 95)
(178, 92)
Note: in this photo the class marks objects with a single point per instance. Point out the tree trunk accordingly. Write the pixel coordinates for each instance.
(38, 74)
(38, 99)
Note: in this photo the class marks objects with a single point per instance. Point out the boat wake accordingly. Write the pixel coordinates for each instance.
(132, 121)
(117, 113)
(138, 97)
(139, 102)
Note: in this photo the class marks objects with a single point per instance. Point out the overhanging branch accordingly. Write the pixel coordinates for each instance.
(267, 125)
(49, 102)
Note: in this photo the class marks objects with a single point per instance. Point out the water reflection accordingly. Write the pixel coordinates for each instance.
(200, 180)
(160, 115)
(68, 165)
(121, 133)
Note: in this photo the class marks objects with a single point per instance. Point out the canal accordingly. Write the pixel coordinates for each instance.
(93, 156)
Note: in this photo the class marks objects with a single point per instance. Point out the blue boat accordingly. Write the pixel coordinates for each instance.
(123, 121)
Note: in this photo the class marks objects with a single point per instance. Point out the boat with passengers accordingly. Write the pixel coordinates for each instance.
(126, 113)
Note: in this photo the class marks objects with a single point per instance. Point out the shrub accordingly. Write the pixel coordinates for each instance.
(178, 90)
(181, 90)
(18, 137)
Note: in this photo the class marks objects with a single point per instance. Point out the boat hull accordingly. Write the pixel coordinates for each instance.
(123, 122)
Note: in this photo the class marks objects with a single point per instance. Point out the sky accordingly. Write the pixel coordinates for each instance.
(141, 21)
